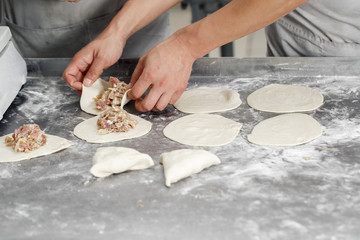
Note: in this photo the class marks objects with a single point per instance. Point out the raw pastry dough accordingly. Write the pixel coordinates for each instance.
(110, 160)
(53, 144)
(180, 164)
(208, 100)
(88, 131)
(279, 98)
(87, 103)
(286, 130)
(203, 130)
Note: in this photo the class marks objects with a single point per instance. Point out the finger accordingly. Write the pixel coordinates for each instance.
(94, 72)
(163, 102)
(77, 86)
(175, 97)
(139, 88)
(149, 102)
(136, 74)
(74, 72)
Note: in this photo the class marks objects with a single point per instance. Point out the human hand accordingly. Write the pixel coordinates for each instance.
(165, 69)
(88, 64)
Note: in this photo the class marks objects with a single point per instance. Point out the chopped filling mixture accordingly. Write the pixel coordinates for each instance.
(26, 138)
(112, 96)
(115, 120)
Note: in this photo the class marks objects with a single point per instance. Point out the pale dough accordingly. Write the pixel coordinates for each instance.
(203, 130)
(180, 164)
(208, 100)
(110, 160)
(286, 130)
(279, 98)
(53, 144)
(88, 131)
(87, 103)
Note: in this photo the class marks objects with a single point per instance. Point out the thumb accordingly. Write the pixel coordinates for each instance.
(94, 72)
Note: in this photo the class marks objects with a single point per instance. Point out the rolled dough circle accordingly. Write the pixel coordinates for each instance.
(286, 130)
(208, 100)
(203, 130)
(53, 144)
(279, 98)
(88, 131)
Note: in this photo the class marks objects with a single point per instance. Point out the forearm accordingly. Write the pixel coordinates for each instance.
(136, 14)
(237, 19)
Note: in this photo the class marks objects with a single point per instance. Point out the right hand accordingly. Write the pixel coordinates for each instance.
(164, 70)
(89, 63)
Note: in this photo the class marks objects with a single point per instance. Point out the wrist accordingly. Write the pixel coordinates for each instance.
(192, 40)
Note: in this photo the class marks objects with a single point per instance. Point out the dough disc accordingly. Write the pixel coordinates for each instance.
(88, 131)
(53, 144)
(286, 130)
(279, 98)
(208, 100)
(203, 130)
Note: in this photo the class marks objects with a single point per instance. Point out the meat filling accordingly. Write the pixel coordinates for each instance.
(26, 138)
(112, 96)
(115, 120)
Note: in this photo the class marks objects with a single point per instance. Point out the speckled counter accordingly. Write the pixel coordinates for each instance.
(310, 191)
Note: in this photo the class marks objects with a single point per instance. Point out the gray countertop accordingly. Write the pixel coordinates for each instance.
(310, 191)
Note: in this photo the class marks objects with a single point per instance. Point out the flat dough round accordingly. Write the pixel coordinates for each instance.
(87, 103)
(53, 144)
(286, 130)
(279, 98)
(88, 131)
(203, 130)
(208, 100)
(110, 160)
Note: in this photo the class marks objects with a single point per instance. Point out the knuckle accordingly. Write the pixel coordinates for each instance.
(135, 93)
(146, 106)
(151, 74)
(163, 83)
(160, 107)
(94, 74)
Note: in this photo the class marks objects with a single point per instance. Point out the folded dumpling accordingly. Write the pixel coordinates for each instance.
(182, 163)
(110, 160)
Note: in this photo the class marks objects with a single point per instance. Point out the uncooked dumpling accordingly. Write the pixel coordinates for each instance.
(208, 100)
(88, 131)
(180, 164)
(286, 130)
(203, 130)
(279, 98)
(110, 160)
(53, 144)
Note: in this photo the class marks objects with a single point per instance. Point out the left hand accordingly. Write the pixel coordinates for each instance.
(165, 70)
(88, 64)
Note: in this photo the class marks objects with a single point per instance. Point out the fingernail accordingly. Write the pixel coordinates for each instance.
(87, 82)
